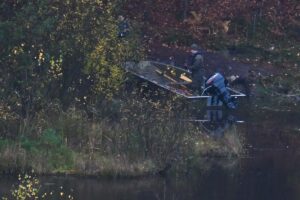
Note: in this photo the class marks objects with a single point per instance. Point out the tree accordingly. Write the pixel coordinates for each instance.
(58, 50)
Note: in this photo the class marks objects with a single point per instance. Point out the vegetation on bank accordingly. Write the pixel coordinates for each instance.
(138, 138)
(66, 106)
(29, 187)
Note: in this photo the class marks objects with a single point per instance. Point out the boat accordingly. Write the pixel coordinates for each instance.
(174, 79)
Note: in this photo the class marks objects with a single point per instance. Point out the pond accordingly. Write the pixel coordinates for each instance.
(269, 168)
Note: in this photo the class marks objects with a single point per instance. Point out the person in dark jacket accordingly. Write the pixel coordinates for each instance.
(196, 67)
(123, 27)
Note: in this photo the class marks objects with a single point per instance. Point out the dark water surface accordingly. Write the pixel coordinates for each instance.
(269, 169)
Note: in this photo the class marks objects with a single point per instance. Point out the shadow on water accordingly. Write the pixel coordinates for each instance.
(267, 169)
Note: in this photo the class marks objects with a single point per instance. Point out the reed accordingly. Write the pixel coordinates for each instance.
(139, 137)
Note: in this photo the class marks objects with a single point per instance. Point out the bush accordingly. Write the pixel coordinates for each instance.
(29, 187)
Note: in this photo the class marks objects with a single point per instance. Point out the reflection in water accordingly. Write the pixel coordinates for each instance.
(216, 122)
(253, 179)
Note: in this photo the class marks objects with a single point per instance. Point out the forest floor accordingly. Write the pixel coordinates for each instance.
(268, 83)
(225, 62)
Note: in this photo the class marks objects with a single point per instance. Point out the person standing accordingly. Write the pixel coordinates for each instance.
(196, 67)
(123, 27)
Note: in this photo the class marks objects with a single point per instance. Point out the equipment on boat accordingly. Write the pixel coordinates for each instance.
(216, 86)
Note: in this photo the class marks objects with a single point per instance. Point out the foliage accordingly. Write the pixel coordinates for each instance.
(59, 50)
(49, 146)
(51, 139)
(140, 138)
(230, 21)
(29, 187)
(61, 76)
(48, 139)
(177, 37)
(222, 16)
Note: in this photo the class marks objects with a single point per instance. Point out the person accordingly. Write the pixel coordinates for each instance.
(196, 67)
(217, 87)
(123, 27)
(217, 82)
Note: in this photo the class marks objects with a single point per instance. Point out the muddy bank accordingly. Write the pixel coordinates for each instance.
(224, 62)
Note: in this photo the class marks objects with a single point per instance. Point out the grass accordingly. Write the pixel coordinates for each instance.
(139, 139)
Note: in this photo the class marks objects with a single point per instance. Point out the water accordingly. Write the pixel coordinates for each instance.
(269, 168)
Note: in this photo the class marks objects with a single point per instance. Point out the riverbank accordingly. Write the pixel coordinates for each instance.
(271, 162)
(134, 137)
(64, 107)
(137, 138)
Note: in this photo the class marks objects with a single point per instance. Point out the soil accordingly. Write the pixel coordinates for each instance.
(222, 62)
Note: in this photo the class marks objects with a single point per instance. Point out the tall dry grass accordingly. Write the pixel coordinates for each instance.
(124, 138)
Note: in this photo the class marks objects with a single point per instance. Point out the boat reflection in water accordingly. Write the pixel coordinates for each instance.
(215, 122)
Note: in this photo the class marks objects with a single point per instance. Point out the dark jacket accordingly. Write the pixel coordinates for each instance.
(196, 67)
